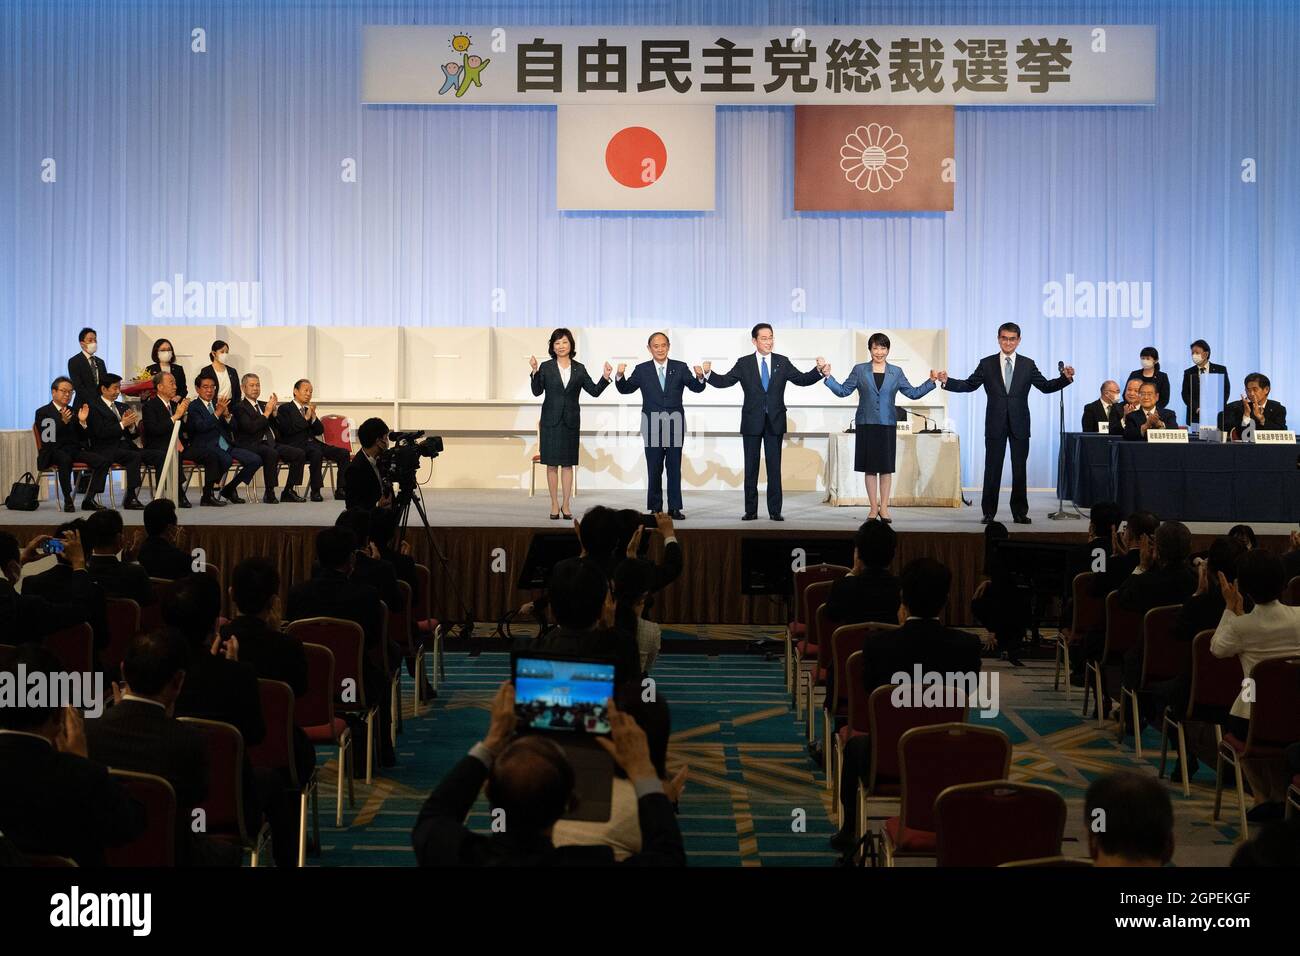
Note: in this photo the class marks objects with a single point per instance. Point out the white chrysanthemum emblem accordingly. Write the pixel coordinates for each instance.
(873, 158)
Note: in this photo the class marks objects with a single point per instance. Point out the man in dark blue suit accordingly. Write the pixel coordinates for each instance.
(663, 420)
(212, 442)
(1006, 378)
(1149, 415)
(763, 377)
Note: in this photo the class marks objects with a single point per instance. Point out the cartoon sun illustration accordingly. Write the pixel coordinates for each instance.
(460, 42)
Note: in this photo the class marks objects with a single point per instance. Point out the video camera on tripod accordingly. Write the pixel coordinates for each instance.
(401, 460)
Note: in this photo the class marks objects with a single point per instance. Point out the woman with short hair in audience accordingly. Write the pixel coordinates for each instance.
(164, 362)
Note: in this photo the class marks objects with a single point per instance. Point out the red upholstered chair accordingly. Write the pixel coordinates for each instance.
(314, 712)
(858, 722)
(930, 760)
(346, 640)
(224, 804)
(1163, 658)
(74, 647)
(78, 468)
(336, 434)
(428, 632)
(1216, 681)
(156, 845)
(1291, 594)
(989, 824)
(845, 641)
(1088, 617)
(795, 630)
(393, 669)
(123, 625)
(276, 752)
(1274, 723)
(807, 650)
(1123, 631)
(888, 724)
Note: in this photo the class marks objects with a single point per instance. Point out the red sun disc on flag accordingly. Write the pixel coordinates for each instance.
(636, 156)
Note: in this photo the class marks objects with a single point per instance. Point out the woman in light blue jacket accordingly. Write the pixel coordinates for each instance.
(877, 384)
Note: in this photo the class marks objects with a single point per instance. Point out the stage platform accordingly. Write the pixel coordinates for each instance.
(485, 535)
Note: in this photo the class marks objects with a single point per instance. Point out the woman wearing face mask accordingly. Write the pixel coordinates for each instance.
(1150, 372)
(1192, 378)
(164, 360)
(227, 377)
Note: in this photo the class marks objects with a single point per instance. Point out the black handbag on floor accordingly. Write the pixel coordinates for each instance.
(24, 494)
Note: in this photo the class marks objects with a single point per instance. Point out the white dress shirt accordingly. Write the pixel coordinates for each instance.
(565, 372)
(1270, 630)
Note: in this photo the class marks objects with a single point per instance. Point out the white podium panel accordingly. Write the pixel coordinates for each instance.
(355, 363)
(511, 348)
(446, 364)
(278, 355)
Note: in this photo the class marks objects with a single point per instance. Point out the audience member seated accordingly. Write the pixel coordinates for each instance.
(1103, 526)
(110, 435)
(331, 592)
(1126, 552)
(119, 577)
(1105, 412)
(140, 733)
(1129, 821)
(869, 592)
(1245, 534)
(54, 799)
(530, 784)
(1270, 630)
(583, 608)
(922, 640)
(29, 617)
(1254, 408)
(610, 536)
(1002, 601)
(633, 596)
(67, 584)
(63, 433)
(160, 554)
(1149, 415)
(209, 423)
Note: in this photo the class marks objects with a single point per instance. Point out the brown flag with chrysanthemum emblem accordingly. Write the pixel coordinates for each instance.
(884, 158)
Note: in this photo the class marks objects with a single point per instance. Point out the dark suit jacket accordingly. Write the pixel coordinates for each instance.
(1201, 612)
(83, 379)
(760, 406)
(1007, 411)
(872, 596)
(182, 390)
(62, 804)
(28, 617)
(157, 422)
(135, 735)
(1118, 568)
(364, 489)
(104, 430)
(380, 574)
(62, 585)
(1157, 587)
(1162, 385)
(925, 642)
(609, 644)
(252, 428)
(205, 430)
(1274, 416)
(1192, 389)
(68, 437)
(660, 401)
(293, 428)
(1134, 421)
(231, 374)
(332, 594)
(220, 689)
(560, 406)
(162, 559)
(121, 579)
(441, 838)
(1095, 419)
(273, 654)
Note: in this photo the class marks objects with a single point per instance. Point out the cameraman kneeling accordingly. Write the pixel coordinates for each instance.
(365, 487)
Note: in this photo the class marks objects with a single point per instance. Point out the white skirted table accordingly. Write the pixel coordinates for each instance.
(17, 455)
(928, 476)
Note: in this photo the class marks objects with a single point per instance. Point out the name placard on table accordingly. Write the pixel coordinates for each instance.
(1274, 436)
(1175, 436)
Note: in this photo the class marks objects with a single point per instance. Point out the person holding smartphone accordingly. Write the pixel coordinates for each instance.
(34, 616)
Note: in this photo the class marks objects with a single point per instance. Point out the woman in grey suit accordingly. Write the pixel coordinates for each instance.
(877, 384)
(560, 380)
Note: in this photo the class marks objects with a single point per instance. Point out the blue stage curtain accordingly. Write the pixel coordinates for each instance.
(225, 166)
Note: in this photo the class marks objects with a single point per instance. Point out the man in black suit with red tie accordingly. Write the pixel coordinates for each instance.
(301, 427)
(112, 430)
(255, 432)
(763, 377)
(63, 433)
(1006, 378)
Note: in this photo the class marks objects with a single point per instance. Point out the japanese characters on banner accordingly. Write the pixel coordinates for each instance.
(739, 65)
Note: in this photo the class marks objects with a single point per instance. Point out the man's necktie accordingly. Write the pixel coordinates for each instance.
(662, 385)
(764, 377)
(1006, 376)
(94, 369)
(221, 440)
(116, 411)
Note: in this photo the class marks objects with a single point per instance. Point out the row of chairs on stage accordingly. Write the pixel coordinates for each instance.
(335, 434)
(335, 652)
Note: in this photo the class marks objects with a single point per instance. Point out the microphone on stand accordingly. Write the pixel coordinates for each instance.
(1060, 514)
(929, 422)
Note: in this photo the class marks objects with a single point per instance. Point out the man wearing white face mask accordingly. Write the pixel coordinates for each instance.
(1192, 379)
(86, 369)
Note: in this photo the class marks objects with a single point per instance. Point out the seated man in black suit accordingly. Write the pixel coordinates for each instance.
(161, 413)
(1148, 415)
(139, 733)
(366, 488)
(1102, 414)
(111, 431)
(68, 582)
(209, 423)
(869, 592)
(255, 431)
(119, 578)
(1254, 408)
(922, 640)
(531, 781)
(63, 436)
(300, 426)
(331, 592)
(159, 554)
(582, 606)
(29, 617)
(54, 799)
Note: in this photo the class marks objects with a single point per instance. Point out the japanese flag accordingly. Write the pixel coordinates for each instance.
(634, 157)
